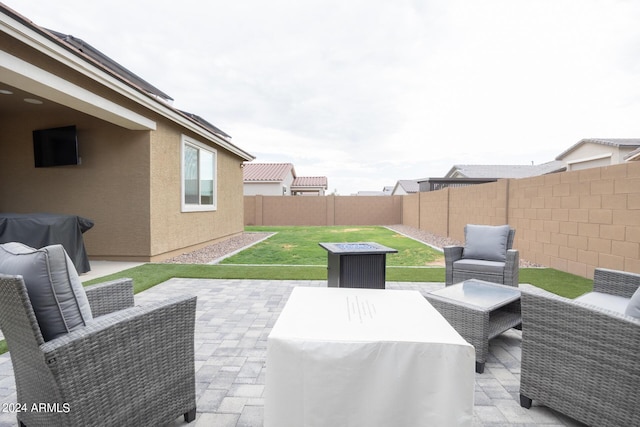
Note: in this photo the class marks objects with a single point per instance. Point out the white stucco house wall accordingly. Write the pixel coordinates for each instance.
(597, 152)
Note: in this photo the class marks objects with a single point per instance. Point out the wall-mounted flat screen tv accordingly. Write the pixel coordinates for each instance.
(55, 147)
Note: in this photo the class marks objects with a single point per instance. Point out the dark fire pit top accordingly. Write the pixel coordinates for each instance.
(357, 248)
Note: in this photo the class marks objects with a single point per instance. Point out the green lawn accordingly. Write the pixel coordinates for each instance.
(299, 246)
(293, 254)
(297, 256)
(149, 275)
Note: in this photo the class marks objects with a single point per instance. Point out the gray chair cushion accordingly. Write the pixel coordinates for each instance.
(633, 308)
(56, 293)
(486, 242)
(479, 266)
(607, 301)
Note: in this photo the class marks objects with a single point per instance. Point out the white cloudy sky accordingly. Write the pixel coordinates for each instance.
(367, 92)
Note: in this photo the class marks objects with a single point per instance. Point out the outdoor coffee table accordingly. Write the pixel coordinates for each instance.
(366, 357)
(479, 311)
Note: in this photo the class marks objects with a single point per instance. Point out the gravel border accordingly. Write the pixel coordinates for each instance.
(216, 252)
(430, 239)
(438, 242)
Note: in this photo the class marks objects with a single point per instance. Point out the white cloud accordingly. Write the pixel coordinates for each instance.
(369, 92)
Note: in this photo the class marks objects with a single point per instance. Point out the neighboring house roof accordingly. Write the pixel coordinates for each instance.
(633, 156)
(310, 181)
(267, 172)
(504, 171)
(613, 142)
(408, 185)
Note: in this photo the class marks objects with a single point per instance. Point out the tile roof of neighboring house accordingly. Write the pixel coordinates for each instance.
(634, 155)
(614, 142)
(267, 172)
(505, 171)
(310, 181)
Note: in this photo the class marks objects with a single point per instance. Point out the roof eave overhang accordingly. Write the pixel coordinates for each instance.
(308, 187)
(43, 84)
(49, 86)
(633, 156)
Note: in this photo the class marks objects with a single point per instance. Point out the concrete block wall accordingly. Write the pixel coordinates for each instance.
(571, 221)
(433, 212)
(477, 204)
(367, 210)
(322, 211)
(578, 221)
(288, 210)
(411, 210)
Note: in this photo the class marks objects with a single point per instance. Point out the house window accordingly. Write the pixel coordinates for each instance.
(198, 176)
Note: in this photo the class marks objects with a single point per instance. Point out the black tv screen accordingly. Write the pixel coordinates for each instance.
(55, 147)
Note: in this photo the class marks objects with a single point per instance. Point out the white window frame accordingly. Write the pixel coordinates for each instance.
(193, 207)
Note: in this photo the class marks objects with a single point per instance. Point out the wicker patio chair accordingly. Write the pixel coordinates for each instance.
(579, 359)
(128, 366)
(459, 267)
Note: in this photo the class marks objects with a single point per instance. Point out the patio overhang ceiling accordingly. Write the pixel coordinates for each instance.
(41, 83)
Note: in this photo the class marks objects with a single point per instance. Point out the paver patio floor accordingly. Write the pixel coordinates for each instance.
(233, 320)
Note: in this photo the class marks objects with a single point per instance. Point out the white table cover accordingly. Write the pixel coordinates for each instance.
(366, 357)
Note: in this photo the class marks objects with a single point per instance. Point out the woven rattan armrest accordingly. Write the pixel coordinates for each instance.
(579, 359)
(451, 255)
(615, 282)
(140, 357)
(107, 297)
(512, 268)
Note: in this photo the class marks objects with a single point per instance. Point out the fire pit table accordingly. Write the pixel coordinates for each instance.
(356, 265)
